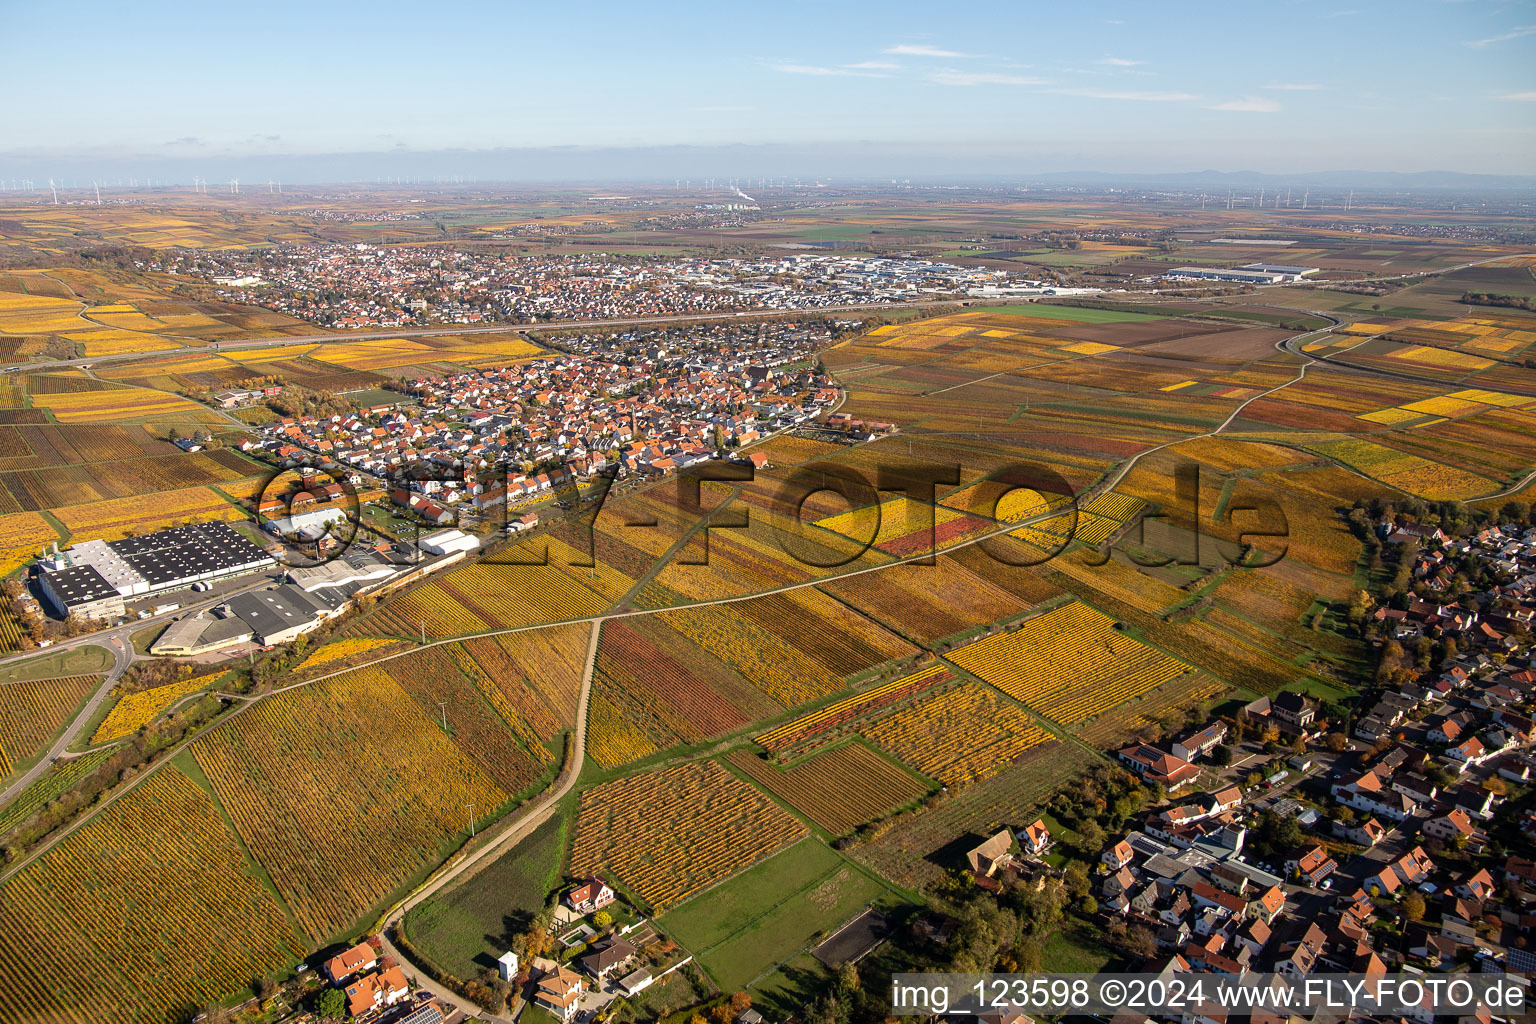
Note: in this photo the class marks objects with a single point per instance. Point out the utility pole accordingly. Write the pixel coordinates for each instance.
(443, 706)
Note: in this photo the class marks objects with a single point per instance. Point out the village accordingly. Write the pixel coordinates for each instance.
(366, 286)
(1301, 835)
(640, 405)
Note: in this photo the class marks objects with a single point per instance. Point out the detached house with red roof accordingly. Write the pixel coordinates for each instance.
(589, 897)
(1154, 765)
(359, 958)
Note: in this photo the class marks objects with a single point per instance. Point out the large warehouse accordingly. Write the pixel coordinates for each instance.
(94, 578)
(1251, 273)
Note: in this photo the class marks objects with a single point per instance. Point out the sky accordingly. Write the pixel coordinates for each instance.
(513, 89)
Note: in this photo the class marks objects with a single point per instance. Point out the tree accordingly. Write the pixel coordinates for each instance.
(1140, 942)
(331, 1004)
(1089, 905)
(1413, 908)
(602, 919)
(1031, 955)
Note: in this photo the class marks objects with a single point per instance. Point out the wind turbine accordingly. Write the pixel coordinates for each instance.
(55, 192)
(1348, 203)
(1304, 197)
(98, 192)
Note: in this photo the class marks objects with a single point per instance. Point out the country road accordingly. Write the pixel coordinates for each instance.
(122, 657)
(514, 830)
(1003, 528)
(507, 833)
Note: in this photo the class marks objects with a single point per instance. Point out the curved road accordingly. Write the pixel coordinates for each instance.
(122, 657)
(522, 822)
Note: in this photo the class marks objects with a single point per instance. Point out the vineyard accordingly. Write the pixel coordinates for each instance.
(136, 710)
(22, 534)
(31, 712)
(839, 789)
(669, 834)
(663, 695)
(345, 649)
(1410, 473)
(1069, 664)
(927, 603)
(795, 647)
(336, 837)
(117, 406)
(487, 596)
(1116, 726)
(483, 725)
(959, 736)
(126, 517)
(129, 920)
(907, 848)
(538, 672)
(612, 739)
(797, 731)
(60, 777)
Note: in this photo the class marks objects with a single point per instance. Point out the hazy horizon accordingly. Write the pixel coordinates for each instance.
(319, 93)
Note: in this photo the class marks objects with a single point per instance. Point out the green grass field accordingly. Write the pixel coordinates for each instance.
(787, 931)
(1077, 947)
(74, 661)
(756, 945)
(464, 931)
(717, 914)
(1082, 314)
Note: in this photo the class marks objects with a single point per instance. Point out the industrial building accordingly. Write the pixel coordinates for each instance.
(94, 578)
(447, 542)
(310, 596)
(1252, 273)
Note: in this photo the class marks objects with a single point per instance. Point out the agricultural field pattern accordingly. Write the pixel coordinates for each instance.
(1012, 537)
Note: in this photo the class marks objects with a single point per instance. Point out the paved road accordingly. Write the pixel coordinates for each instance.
(595, 620)
(122, 657)
(503, 836)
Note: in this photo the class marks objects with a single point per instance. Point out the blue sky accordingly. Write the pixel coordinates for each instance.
(1284, 86)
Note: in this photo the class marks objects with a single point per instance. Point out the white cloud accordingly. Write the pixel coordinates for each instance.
(1248, 104)
(950, 76)
(918, 50)
(1139, 97)
(873, 65)
(1523, 97)
(822, 71)
(1295, 86)
(722, 110)
(1121, 62)
(1518, 32)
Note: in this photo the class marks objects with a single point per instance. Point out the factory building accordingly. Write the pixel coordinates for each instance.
(1252, 273)
(94, 578)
